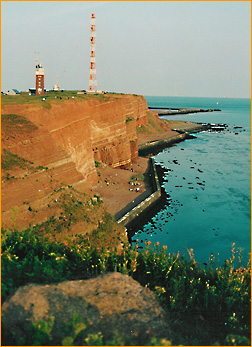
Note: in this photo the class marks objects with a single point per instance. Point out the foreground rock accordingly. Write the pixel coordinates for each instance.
(108, 303)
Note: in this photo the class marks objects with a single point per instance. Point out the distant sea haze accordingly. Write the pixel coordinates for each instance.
(208, 183)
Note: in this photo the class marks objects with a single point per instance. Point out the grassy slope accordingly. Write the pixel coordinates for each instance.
(155, 125)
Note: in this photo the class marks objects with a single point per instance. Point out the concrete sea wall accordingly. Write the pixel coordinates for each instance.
(142, 206)
(149, 149)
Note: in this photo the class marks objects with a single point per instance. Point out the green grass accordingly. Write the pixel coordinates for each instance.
(154, 125)
(138, 177)
(13, 124)
(10, 161)
(154, 122)
(143, 129)
(25, 98)
(206, 305)
(69, 208)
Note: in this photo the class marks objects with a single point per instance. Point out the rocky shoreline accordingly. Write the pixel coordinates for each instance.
(153, 148)
(136, 215)
(150, 211)
(115, 185)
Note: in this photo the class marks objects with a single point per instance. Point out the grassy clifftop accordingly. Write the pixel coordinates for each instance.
(25, 98)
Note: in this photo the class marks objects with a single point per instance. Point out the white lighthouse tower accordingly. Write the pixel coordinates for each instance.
(40, 75)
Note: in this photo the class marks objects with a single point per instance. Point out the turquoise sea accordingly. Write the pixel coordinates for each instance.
(207, 180)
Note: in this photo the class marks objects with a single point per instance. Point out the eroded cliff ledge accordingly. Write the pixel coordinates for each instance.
(60, 143)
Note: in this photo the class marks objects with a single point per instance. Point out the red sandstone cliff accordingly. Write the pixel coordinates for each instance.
(86, 131)
(69, 137)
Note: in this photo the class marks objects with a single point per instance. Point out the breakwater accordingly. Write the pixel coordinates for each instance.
(164, 111)
(158, 197)
(147, 150)
(154, 147)
(143, 205)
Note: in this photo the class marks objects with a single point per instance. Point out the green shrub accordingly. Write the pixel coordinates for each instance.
(207, 305)
(128, 120)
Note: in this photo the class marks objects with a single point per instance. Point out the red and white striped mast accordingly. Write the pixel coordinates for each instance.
(92, 76)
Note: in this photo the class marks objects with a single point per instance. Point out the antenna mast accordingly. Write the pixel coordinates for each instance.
(92, 77)
(36, 57)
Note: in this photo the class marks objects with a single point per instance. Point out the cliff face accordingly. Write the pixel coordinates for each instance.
(82, 132)
(66, 139)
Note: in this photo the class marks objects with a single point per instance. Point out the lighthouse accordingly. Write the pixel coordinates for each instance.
(40, 74)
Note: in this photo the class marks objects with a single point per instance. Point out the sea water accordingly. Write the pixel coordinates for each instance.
(207, 180)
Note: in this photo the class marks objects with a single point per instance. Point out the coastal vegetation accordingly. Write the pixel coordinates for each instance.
(137, 177)
(57, 96)
(16, 124)
(10, 161)
(74, 237)
(154, 125)
(128, 120)
(79, 218)
(207, 304)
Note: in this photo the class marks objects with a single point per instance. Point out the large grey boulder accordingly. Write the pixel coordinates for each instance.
(107, 303)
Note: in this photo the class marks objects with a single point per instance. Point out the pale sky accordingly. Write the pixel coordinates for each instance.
(166, 48)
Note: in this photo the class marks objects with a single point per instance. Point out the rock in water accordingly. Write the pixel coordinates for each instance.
(109, 303)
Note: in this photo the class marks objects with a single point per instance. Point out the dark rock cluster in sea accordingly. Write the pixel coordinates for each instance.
(149, 214)
(147, 224)
(224, 127)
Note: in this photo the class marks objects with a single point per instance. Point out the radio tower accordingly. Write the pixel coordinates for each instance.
(40, 73)
(92, 77)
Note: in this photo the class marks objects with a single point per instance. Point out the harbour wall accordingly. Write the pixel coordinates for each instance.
(143, 205)
(148, 149)
(154, 147)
